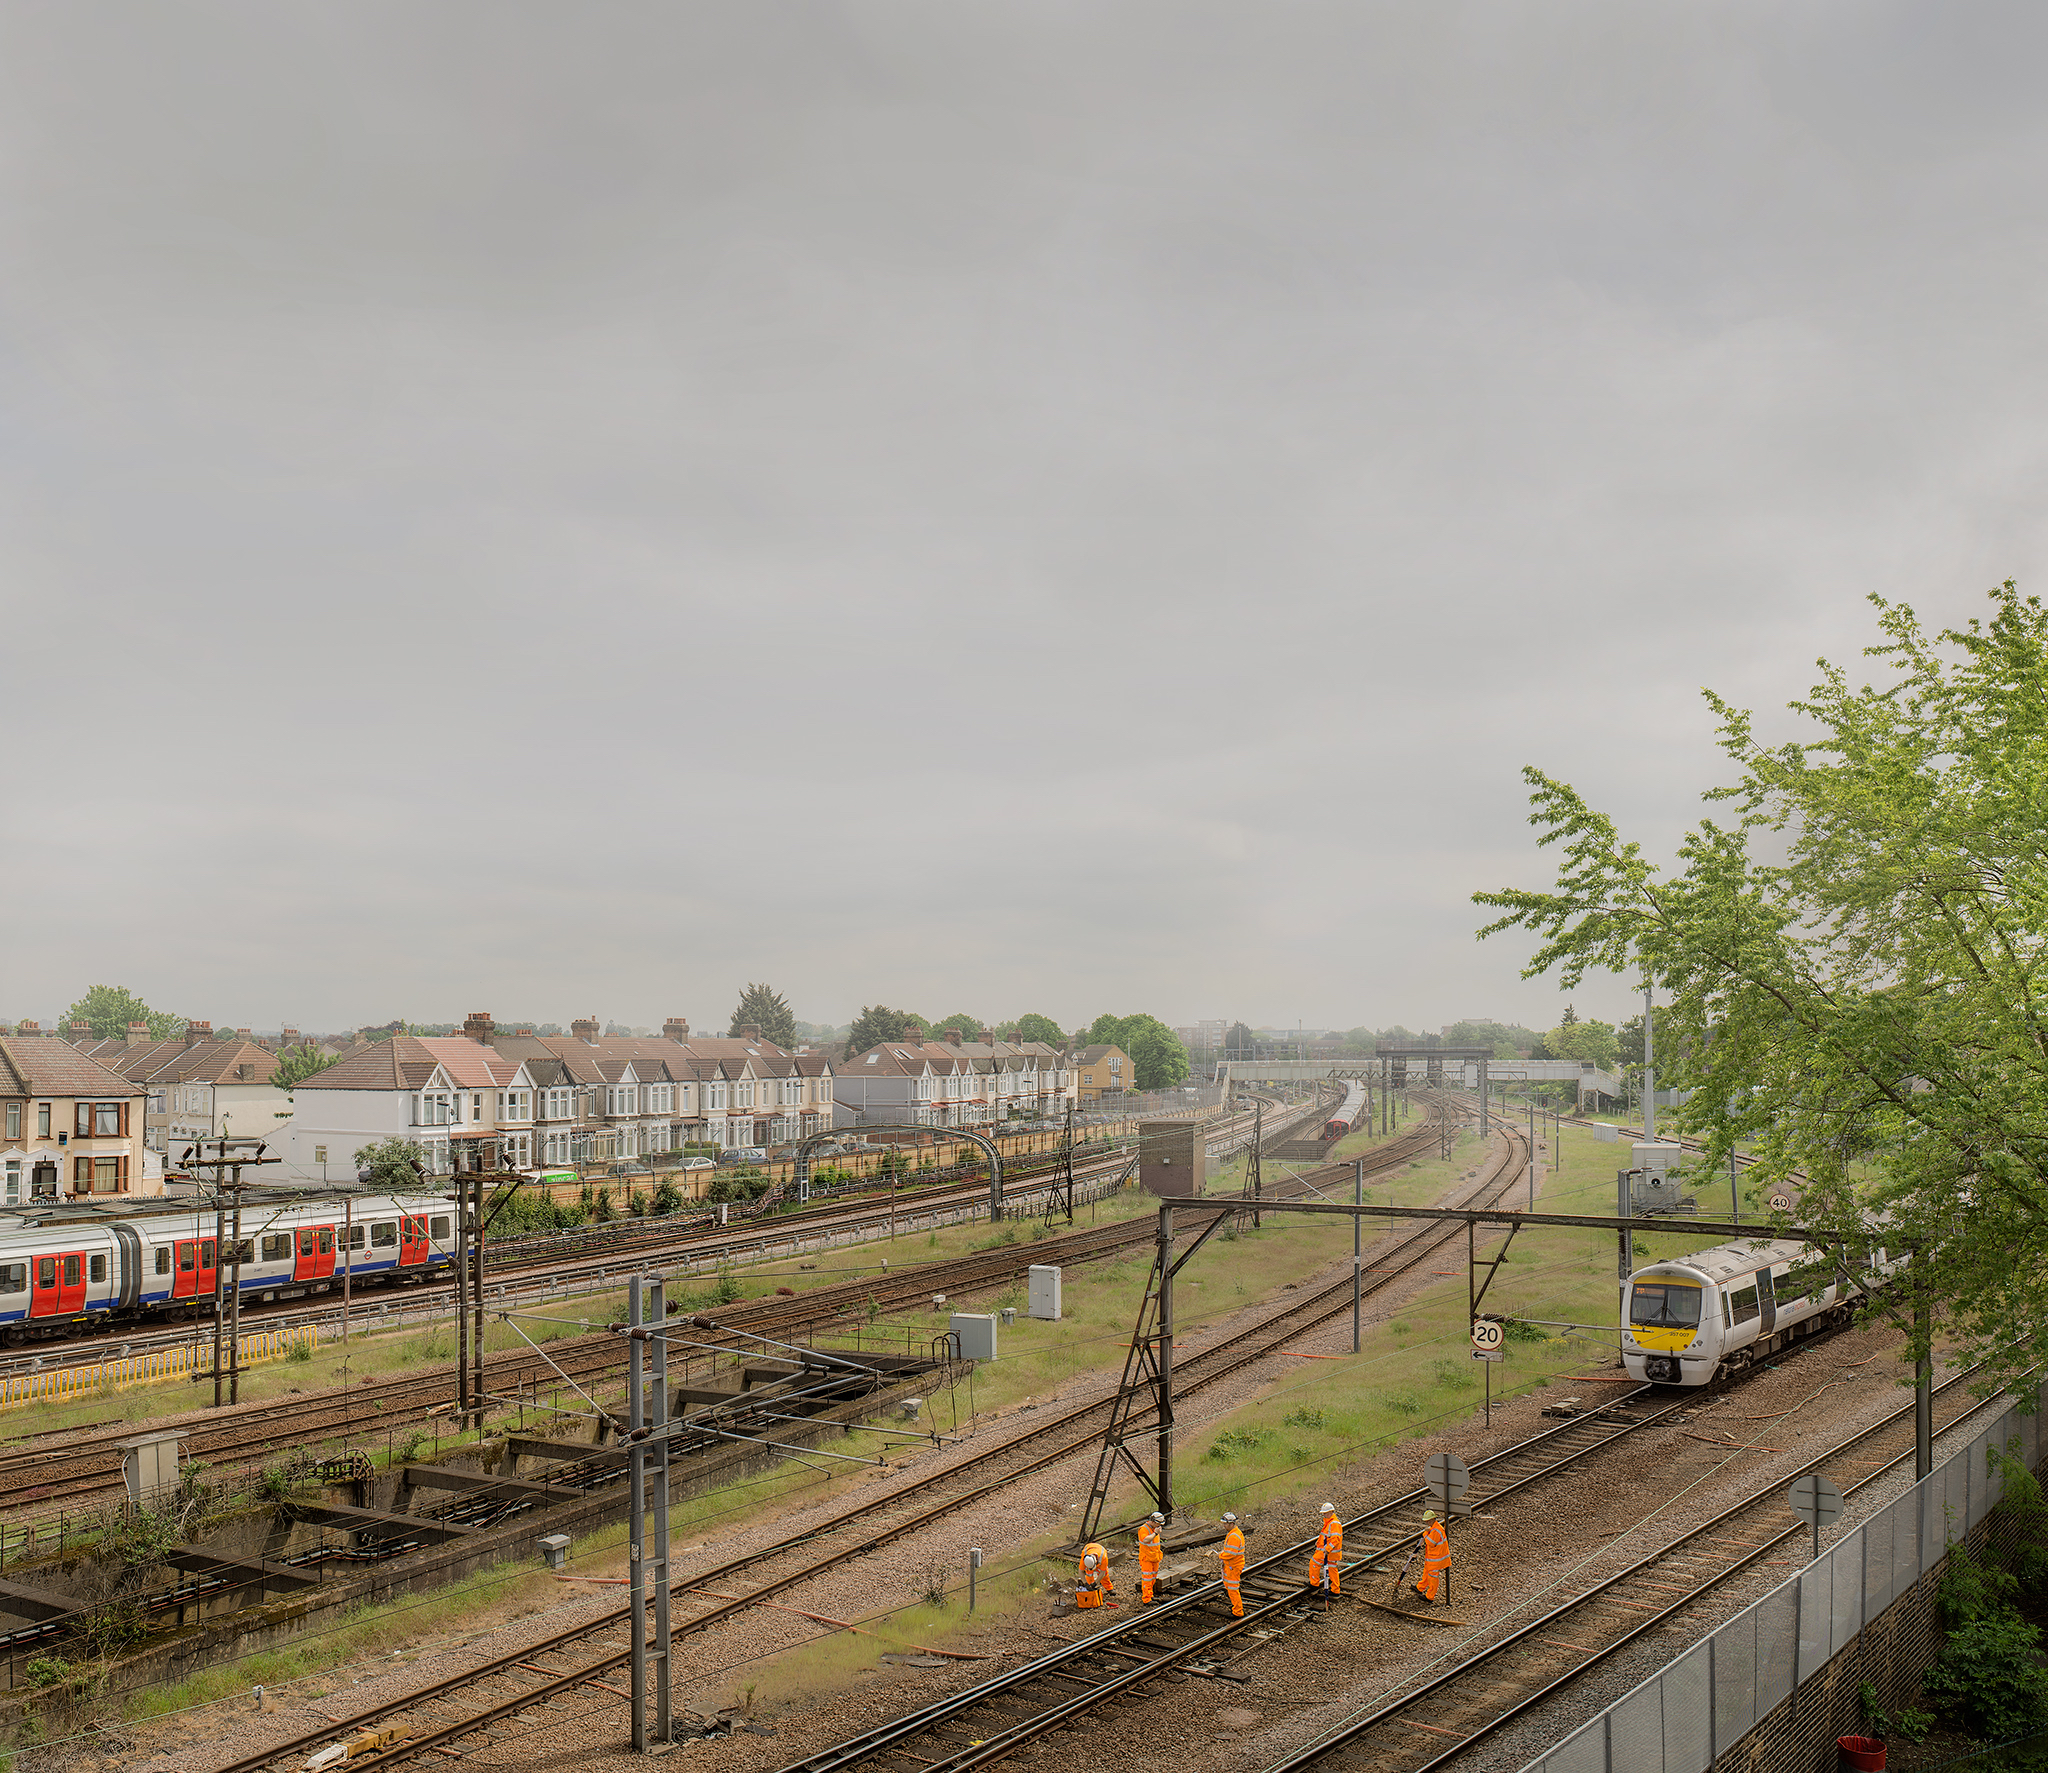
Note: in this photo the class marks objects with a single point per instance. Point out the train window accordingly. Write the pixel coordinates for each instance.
(13, 1277)
(355, 1236)
(384, 1234)
(71, 1271)
(439, 1227)
(46, 1271)
(277, 1247)
(1742, 1305)
(1676, 1306)
(206, 1252)
(245, 1251)
(96, 1269)
(163, 1258)
(326, 1240)
(1809, 1280)
(188, 1258)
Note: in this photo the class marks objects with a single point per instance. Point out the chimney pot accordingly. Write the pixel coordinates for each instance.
(81, 1034)
(243, 1032)
(676, 1028)
(528, 1032)
(911, 1032)
(585, 1028)
(953, 1035)
(479, 1028)
(138, 1034)
(29, 1025)
(195, 1032)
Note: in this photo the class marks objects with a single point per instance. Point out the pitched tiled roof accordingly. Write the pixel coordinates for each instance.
(470, 1063)
(401, 1063)
(41, 1067)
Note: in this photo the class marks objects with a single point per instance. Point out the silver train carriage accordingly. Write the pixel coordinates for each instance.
(60, 1276)
(1349, 1114)
(1719, 1309)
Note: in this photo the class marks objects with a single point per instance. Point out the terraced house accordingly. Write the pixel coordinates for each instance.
(953, 1082)
(490, 1098)
(200, 1085)
(69, 1127)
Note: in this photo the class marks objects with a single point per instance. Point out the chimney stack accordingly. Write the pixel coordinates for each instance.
(288, 1037)
(138, 1034)
(29, 1026)
(987, 1037)
(195, 1032)
(913, 1033)
(479, 1027)
(585, 1028)
(81, 1034)
(243, 1032)
(676, 1028)
(526, 1032)
(747, 1031)
(953, 1035)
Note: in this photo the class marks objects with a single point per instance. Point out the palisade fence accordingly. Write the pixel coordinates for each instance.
(63, 1385)
(1699, 1706)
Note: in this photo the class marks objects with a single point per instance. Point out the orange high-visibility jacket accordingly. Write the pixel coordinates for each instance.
(1148, 1545)
(1436, 1550)
(1233, 1551)
(1330, 1543)
(1100, 1574)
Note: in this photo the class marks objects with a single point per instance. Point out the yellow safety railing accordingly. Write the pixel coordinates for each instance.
(64, 1384)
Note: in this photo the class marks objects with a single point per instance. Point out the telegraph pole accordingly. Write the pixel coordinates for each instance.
(1357, 1248)
(647, 1568)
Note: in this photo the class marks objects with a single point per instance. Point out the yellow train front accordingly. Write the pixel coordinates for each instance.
(1718, 1310)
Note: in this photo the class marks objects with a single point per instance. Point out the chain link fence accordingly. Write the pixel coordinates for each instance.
(1699, 1706)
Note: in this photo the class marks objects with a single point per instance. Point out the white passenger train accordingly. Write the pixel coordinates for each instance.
(1719, 1309)
(62, 1273)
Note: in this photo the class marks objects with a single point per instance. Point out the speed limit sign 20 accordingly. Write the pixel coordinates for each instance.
(1487, 1334)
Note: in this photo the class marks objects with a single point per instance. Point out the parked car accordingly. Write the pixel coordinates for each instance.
(743, 1154)
(698, 1163)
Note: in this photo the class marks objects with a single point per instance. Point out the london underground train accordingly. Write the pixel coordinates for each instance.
(60, 1275)
(1349, 1115)
(1717, 1310)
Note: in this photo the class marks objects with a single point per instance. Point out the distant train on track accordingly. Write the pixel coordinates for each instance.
(59, 1277)
(1349, 1115)
(1720, 1309)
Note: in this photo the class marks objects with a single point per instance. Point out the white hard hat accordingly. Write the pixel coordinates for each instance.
(1160, 1518)
(1089, 1560)
(1229, 1517)
(1329, 1508)
(1429, 1514)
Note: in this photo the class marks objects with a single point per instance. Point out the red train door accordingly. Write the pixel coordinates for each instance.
(316, 1253)
(194, 1276)
(57, 1285)
(412, 1241)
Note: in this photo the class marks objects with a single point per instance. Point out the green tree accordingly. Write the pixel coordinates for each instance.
(1032, 1026)
(1158, 1060)
(394, 1164)
(108, 1009)
(294, 1063)
(1853, 960)
(969, 1026)
(768, 1011)
(1583, 1041)
(876, 1024)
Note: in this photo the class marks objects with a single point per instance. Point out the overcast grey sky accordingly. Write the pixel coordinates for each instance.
(1016, 506)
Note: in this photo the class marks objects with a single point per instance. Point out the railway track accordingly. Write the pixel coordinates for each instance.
(498, 1692)
(1196, 1634)
(76, 1468)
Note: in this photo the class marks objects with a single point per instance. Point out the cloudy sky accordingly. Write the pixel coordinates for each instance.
(1019, 506)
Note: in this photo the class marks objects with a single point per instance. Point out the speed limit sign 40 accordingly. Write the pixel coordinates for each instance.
(1487, 1334)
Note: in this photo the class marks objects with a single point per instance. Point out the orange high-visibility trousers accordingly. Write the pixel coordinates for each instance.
(1232, 1555)
(1436, 1560)
(1148, 1559)
(1093, 1584)
(1328, 1560)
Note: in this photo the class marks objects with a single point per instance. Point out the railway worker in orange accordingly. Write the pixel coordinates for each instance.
(1328, 1558)
(1148, 1554)
(1436, 1558)
(1232, 1555)
(1094, 1586)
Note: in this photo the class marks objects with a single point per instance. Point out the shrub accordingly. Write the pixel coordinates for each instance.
(1989, 1678)
(47, 1671)
(1233, 1441)
(727, 1288)
(114, 1627)
(1403, 1403)
(1305, 1418)
(300, 1351)
(603, 1207)
(668, 1198)
(1972, 1592)
(1515, 1330)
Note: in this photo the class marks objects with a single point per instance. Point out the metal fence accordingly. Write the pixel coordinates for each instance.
(1699, 1706)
